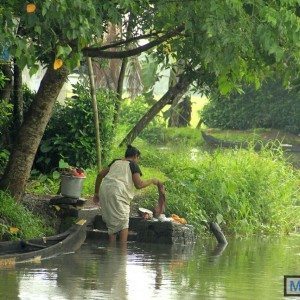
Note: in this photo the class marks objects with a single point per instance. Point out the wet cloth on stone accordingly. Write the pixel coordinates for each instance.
(116, 192)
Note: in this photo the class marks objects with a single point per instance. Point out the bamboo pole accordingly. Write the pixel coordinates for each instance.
(95, 111)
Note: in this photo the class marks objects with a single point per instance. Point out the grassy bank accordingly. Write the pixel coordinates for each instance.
(16, 221)
(244, 191)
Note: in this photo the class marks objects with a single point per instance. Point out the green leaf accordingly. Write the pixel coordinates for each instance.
(33, 69)
(45, 148)
(38, 29)
(62, 164)
(219, 218)
(55, 175)
(63, 51)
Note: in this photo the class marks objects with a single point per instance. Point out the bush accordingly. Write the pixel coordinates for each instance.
(70, 134)
(270, 107)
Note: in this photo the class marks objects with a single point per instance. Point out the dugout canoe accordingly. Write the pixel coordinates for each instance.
(14, 252)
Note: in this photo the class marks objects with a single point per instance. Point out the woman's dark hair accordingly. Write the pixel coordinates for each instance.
(132, 151)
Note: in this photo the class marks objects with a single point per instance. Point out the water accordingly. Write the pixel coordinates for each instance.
(245, 269)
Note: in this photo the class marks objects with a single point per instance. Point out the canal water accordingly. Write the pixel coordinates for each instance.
(245, 269)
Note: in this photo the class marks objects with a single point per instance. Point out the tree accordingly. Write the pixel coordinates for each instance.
(174, 93)
(233, 40)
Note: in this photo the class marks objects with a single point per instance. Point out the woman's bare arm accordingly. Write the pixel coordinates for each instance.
(140, 184)
(98, 181)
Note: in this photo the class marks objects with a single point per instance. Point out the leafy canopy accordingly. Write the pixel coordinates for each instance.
(233, 40)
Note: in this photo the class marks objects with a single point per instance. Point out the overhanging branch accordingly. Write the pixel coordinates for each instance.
(97, 52)
(127, 41)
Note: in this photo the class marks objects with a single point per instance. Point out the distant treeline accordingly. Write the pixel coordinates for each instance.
(272, 106)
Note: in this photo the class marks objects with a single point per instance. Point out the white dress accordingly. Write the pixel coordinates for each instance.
(116, 192)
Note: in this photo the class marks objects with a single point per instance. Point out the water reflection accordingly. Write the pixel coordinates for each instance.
(244, 269)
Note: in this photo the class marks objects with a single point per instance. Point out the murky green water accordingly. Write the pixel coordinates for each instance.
(245, 269)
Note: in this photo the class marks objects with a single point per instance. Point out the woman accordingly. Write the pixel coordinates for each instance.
(114, 189)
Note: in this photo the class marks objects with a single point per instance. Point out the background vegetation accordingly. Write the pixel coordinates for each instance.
(272, 106)
(246, 192)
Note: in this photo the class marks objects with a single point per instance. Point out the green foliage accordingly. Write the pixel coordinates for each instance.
(41, 184)
(2, 80)
(28, 96)
(55, 29)
(245, 191)
(133, 110)
(13, 214)
(6, 110)
(270, 107)
(75, 140)
(4, 155)
(229, 41)
(170, 136)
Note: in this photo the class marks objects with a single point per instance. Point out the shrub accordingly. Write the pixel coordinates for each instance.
(70, 134)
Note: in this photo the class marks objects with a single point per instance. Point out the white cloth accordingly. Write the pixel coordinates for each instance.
(116, 192)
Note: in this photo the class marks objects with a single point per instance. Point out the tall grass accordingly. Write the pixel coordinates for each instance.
(18, 222)
(247, 192)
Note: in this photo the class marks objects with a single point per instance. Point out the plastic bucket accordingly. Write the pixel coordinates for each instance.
(71, 186)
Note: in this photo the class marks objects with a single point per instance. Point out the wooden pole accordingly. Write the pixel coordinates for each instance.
(95, 111)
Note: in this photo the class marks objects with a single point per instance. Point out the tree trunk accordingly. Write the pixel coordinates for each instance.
(17, 99)
(174, 92)
(120, 90)
(31, 132)
(174, 114)
(185, 112)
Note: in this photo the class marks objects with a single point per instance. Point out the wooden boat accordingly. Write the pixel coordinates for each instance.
(215, 142)
(14, 252)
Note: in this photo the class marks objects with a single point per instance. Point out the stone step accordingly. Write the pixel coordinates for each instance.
(147, 231)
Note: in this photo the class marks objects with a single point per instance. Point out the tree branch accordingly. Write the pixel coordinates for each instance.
(127, 41)
(96, 52)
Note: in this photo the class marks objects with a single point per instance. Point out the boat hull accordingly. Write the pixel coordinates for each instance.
(15, 252)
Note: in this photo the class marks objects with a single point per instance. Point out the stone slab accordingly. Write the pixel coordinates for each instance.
(165, 233)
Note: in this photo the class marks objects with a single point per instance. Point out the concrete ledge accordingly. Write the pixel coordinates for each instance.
(140, 230)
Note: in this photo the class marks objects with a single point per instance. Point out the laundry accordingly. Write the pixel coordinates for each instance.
(158, 213)
(177, 219)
